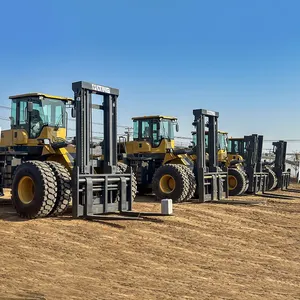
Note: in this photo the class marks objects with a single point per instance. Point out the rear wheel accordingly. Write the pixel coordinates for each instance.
(170, 181)
(64, 188)
(34, 190)
(237, 182)
(272, 180)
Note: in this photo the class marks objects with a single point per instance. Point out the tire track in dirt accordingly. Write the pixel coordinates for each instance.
(204, 251)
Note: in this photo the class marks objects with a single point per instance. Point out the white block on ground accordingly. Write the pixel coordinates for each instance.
(166, 206)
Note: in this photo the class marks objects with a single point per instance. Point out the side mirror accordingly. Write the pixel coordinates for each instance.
(177, 127)
(73, 112)
(30, 106)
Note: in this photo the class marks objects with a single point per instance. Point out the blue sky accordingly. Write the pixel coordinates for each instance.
(240, 58)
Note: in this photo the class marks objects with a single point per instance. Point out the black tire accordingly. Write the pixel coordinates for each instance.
(272, 180)
(192, 182)
(247, 182)
(122, 169)
(64, 188)
(237, 182)
(180, 181)
(39, 200)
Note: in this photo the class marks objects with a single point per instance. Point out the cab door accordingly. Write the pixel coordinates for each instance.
(19, 122)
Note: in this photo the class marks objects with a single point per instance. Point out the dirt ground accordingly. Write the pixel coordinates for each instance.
(204, 251)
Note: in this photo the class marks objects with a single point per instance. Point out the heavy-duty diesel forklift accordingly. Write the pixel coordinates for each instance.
(246, 173)
(152, 146)
(279, 176)
(174, 173)
(212, 181)
(45, 172)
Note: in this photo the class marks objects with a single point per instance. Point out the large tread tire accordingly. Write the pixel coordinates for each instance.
(64, 188)
(192, 182)
(272, 179)
(122, 169)
(45, 190)
(181, 189)
(240, 182)
(247, 182)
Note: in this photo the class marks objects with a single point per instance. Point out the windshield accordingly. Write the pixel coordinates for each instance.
(222, 141)
(232, 146)
(195, 139)
(236, 146)
(153, 130)
(206, 142)
(166, 129)
(51, 112)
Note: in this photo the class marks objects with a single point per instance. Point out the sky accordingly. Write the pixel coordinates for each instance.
(240, 58)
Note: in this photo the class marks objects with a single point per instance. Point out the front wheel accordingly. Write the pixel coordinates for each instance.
(192, 182)
(171, 181)
(237, 182)
(64, 187)
(272, 180)
(34, 190)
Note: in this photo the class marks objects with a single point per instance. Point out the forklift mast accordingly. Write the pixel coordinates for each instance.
(253, 163)
(212, 181)
(280, 164)
(259, 166)
(251, 149)
(97, 187)
(212, 138)
(280, 154)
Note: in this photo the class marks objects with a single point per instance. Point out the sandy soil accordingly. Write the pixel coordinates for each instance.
(204, 251)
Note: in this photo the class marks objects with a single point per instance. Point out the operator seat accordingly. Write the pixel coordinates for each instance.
(36, 123)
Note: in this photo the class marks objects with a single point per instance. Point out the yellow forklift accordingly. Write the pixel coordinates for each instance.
(242, 158)
(152, 146)
(46, 173)
(159, 167)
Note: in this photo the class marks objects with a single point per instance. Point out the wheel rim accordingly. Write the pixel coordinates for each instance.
(26, 190)
(167, 184)
(232, 182)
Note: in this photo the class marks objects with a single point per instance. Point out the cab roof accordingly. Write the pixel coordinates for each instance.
(154, 117)
(40, 95)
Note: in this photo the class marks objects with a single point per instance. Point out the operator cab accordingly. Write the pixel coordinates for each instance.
(154, 129)
(34, 111)
(236, 146)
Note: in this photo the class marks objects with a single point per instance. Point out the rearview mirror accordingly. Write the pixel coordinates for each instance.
(177, 127)
(30, 106)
